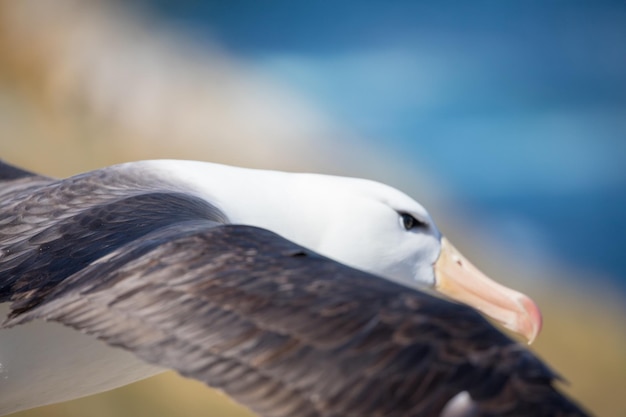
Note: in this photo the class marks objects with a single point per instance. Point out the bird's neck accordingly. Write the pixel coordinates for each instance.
(272, 200)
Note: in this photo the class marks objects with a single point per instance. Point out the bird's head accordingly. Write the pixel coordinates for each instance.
(381, 230)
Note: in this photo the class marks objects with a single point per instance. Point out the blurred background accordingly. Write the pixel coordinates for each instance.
(507, 120)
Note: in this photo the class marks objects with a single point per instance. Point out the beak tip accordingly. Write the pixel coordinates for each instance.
(533, 321)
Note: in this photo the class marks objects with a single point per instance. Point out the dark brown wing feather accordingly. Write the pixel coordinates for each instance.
(290, 333)
(50, 229)
(9, 172)
(14, 180)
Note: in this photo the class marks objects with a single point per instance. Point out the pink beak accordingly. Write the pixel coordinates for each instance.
(457, 278)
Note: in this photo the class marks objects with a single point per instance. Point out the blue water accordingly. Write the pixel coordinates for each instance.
(518, 107)
(585, 230)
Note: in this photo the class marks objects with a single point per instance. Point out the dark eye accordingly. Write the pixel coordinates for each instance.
(409, 222)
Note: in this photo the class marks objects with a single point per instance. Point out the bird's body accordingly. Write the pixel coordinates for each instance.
(165, 262)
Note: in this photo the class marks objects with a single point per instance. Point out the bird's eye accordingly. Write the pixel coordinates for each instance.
(409, 222)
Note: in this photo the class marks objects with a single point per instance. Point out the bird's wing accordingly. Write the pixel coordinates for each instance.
(14, 179)
(50, 229)
(290, 333)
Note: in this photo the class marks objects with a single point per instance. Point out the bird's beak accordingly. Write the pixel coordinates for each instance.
(457, 278)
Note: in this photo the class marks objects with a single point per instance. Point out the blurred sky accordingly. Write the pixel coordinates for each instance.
(519, 107)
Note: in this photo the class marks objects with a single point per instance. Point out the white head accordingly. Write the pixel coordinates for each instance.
(379, 229)
(374, 227)
(364, 224)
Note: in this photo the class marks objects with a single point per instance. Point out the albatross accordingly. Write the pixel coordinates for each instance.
(298, 295)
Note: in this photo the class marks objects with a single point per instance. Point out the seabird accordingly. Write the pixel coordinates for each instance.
(299, 295)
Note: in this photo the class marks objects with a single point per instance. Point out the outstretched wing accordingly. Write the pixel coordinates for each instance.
(292, 334)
